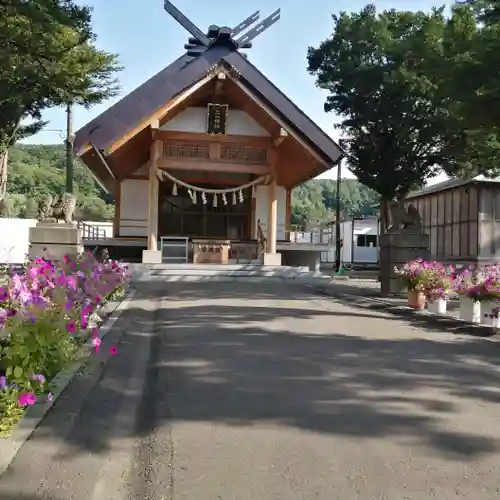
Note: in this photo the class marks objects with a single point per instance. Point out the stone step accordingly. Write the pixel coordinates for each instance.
(195, 272)
(224, 268)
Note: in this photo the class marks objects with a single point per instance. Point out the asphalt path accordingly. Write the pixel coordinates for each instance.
(263, 391)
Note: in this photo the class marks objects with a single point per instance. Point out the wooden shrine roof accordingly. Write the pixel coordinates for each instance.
(134, 110)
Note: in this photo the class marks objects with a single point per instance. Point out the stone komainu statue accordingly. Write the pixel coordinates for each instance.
(53, 209)
(403, 217)
(104, 255)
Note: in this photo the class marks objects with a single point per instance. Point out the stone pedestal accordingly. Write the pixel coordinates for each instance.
(301, 258)
(271, 259)
(53, 241)
(396, 249)
(151, 257)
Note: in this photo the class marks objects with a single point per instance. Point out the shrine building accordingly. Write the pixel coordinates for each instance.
(202, 157)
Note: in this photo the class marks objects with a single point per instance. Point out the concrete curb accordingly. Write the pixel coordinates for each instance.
(10, 445)
(438, 320)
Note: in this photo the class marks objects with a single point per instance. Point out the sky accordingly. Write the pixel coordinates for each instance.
(147, 39)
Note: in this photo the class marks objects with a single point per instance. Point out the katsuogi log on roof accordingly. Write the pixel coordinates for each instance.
(117, 141)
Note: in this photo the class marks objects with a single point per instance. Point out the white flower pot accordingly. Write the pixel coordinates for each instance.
(437, 306)
(487, 316)
(470, 310)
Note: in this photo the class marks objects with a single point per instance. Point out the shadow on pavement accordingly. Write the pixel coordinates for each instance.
(237, 365)
(421, 320)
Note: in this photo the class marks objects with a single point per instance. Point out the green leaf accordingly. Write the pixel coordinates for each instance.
(18, 372)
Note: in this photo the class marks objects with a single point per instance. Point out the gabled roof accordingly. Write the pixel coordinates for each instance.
(451, 184)
(154, 94)
(146, 99)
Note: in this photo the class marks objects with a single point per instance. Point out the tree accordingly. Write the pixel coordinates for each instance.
(377, 70)
(469, 75)
(47, 58)
(33, 26)
(317, 199)
(39, 169)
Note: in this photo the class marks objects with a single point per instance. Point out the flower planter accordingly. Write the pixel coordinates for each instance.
(489, 317)
(470, 310)
(437, 306)
(416, 300)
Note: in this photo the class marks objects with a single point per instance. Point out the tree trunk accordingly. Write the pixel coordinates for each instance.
(385, 215)
(4, 157)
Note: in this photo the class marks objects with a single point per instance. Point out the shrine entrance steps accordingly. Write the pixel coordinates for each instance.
(217, 272)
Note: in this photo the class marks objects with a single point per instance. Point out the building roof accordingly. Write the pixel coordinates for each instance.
(450, 184)
(133, 109)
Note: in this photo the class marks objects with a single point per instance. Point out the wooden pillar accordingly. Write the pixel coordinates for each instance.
(118, 202)
(153, 197)
(253, 222)
(288, 214)
(272, 216)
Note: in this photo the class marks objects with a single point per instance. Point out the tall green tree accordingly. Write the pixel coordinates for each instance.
(377, 70)
(47, 58)
(469, 74)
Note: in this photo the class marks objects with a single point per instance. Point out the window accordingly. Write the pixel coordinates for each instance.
(366, 240)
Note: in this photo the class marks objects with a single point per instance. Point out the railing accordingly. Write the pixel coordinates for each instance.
(174, 249)
(301, 234)
(89, 232)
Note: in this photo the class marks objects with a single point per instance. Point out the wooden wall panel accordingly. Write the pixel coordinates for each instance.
(474, 203)
(464, 205)
(448, 195)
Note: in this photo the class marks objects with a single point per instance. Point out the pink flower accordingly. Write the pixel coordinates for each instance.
(26, 399)
(3, 316)
(71, 327)
(4, 294)
(87, 309)
(84, 322)
(96, 342)
(113, 350)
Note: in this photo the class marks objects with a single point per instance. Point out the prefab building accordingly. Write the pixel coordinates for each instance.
(359, 242)
(462, 218)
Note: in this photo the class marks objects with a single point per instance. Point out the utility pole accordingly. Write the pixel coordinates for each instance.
(338, 239)
(344, 143)
(69, 148)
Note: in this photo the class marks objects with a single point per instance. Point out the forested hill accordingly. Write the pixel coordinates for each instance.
(35, 170)
(317, 199)
(38, 169)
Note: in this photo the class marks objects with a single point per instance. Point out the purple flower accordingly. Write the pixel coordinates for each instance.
(38, 377)
(3, 383)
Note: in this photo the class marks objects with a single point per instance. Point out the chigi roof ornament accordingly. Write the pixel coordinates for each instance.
(222, 35)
